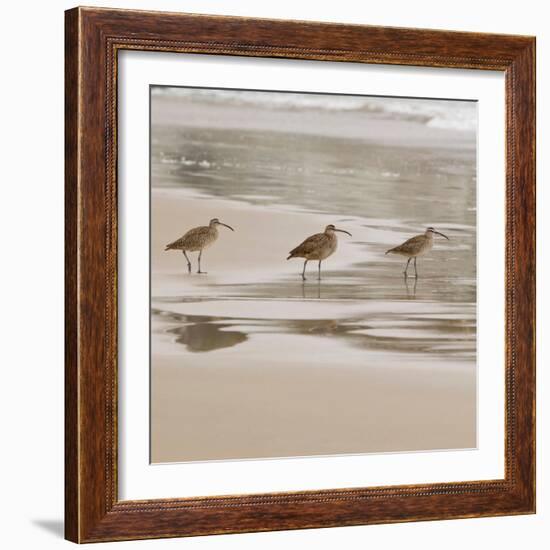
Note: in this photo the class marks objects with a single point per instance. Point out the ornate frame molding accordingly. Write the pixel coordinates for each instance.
(93, 39)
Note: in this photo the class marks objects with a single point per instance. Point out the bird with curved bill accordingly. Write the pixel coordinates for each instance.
(197, 239)
(416, 246)
(317, 247)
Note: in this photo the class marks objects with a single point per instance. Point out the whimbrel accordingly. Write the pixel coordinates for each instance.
(416, 246)
(317, 247)
(197, 238)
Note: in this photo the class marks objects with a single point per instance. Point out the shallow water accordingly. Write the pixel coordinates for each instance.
(363, 304)
(396, 193)
(405, 187)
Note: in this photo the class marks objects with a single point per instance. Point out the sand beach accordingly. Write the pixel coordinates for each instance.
(248, 361)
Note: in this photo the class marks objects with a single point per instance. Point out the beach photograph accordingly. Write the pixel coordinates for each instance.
(313, 274)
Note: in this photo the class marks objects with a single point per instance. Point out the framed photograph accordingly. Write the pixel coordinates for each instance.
(300, 275)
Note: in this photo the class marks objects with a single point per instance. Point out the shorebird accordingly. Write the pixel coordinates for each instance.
(416, 246)
(317, 247)
(197, 238)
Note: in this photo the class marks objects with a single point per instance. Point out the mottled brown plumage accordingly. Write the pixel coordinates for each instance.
(416, 246)
(317, 247)
(197, 239)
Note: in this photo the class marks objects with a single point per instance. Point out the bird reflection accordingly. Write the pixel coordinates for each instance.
(410, 287)
(314, 290)
(206, 336)
(204, 333)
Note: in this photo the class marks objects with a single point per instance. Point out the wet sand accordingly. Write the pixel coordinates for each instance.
(255, 252)
(327, 402)
(249, 362)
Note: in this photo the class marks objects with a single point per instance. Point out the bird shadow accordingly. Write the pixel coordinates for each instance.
(55, 527)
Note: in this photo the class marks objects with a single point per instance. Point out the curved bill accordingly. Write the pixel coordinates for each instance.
(343, 231)
(225, 225)
(438, 233)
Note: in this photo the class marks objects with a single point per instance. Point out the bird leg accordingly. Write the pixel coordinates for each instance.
(188, 262)
(415, 272)
(304, 271)
(199, 270)
(319, 276)
(406, 267)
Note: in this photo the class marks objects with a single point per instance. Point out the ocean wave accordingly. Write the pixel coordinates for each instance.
(436, 113)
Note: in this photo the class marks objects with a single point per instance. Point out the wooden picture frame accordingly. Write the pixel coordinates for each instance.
(93, 511)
